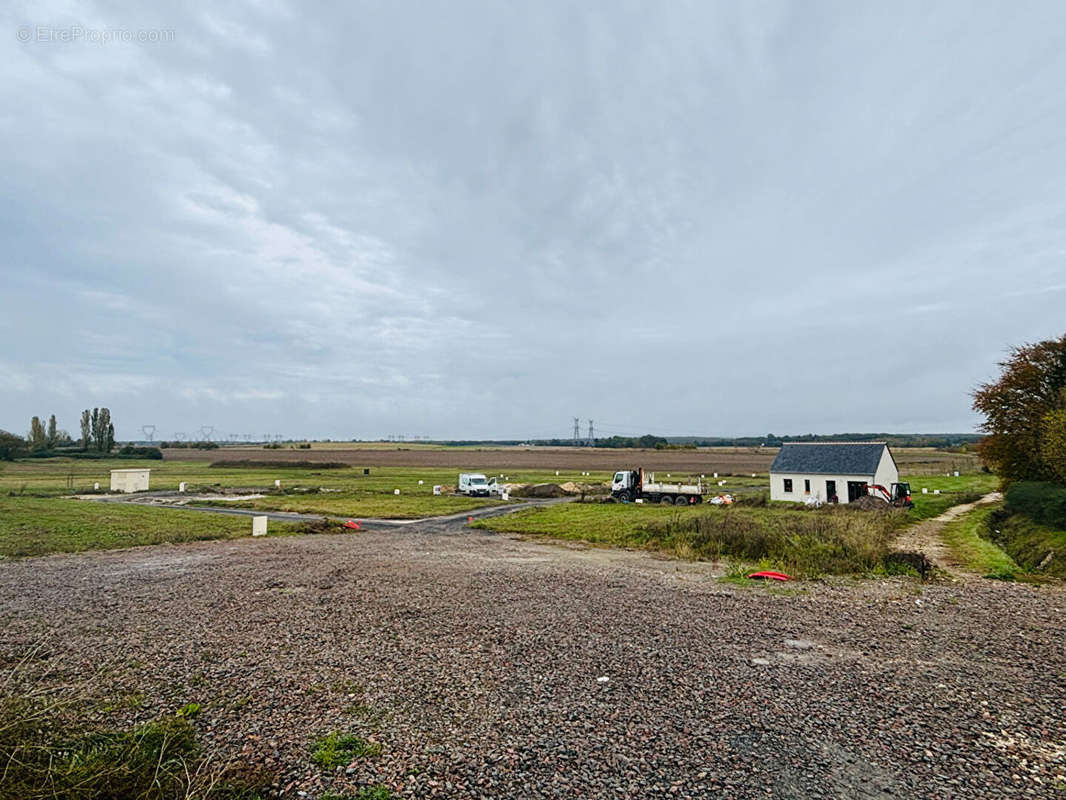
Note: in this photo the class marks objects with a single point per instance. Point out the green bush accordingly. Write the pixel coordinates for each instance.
(1042, 502)
(129, 451)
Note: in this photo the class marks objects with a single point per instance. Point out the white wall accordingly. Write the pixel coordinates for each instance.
(129, 480)
(777, 486)
(887, 472)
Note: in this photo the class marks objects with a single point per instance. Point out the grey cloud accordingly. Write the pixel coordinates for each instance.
(474, 219)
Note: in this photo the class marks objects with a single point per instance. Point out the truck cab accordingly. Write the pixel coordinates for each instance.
(625, 485)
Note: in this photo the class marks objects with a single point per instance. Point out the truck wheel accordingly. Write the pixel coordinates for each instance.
(666, 500)
(681, 501)
(625, 497)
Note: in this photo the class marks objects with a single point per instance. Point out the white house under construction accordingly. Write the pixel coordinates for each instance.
(832, 472)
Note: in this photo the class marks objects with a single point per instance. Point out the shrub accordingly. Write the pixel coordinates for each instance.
(1042, 502)
(129, 451)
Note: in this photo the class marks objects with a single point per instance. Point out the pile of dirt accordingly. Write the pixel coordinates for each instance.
(542, 490)
(870, 503)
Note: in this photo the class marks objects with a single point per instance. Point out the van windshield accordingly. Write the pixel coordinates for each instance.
(477, 481)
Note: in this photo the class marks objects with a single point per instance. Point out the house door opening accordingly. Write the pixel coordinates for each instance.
(831, 491)
(856, 489)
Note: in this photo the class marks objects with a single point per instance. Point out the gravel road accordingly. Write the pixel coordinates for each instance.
(488, 666)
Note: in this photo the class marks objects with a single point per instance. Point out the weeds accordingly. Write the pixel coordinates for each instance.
(338, 749)
(366, 793)
(46, 754)
(807, 543)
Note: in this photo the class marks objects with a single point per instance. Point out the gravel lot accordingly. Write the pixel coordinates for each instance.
(477, 661)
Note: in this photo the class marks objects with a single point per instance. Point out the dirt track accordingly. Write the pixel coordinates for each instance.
(475, 660)
(925, 537)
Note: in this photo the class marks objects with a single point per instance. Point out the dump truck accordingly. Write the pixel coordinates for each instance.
(636, 484)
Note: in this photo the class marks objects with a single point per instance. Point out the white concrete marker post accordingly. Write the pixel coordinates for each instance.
(395, 491)
(96, 487)
(421, 482)
(277, 484)
(259, 526)
(924, 490)
(181, 486)
(956, 473)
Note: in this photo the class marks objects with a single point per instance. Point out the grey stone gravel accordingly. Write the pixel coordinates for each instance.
(475, 660)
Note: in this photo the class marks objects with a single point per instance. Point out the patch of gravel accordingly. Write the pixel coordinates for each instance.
(477, 662)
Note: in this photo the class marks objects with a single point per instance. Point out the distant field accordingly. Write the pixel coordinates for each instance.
(35, 520)
(348, 492)
(724, 460)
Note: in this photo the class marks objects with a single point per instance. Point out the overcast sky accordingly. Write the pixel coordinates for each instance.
(462, 219)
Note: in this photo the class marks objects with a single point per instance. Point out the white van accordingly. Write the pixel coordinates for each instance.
(474, 484)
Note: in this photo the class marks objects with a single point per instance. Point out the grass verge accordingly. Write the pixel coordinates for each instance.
(964, 538)
(33, 526)
(1037, 548)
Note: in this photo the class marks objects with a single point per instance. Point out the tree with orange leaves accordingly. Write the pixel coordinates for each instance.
(1025, 414)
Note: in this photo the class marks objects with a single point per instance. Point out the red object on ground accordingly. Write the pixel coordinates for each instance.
(771, 575)
(469, 519)
(352, 524)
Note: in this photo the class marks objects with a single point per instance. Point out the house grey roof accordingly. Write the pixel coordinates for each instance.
(831, 458)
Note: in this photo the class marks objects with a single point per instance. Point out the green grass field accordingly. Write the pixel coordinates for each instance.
(362, 504)
(351, 493)
(37, 519)
(953, 491)
(33, 526)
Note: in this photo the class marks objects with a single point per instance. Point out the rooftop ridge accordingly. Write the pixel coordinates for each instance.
(822, 444)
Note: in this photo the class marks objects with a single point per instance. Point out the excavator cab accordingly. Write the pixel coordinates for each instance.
(901, 495)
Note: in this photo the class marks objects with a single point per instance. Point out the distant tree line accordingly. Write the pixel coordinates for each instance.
(649, 441)
(43, 439)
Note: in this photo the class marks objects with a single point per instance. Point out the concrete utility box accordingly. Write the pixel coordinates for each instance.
(129, 480)
(259, 526)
